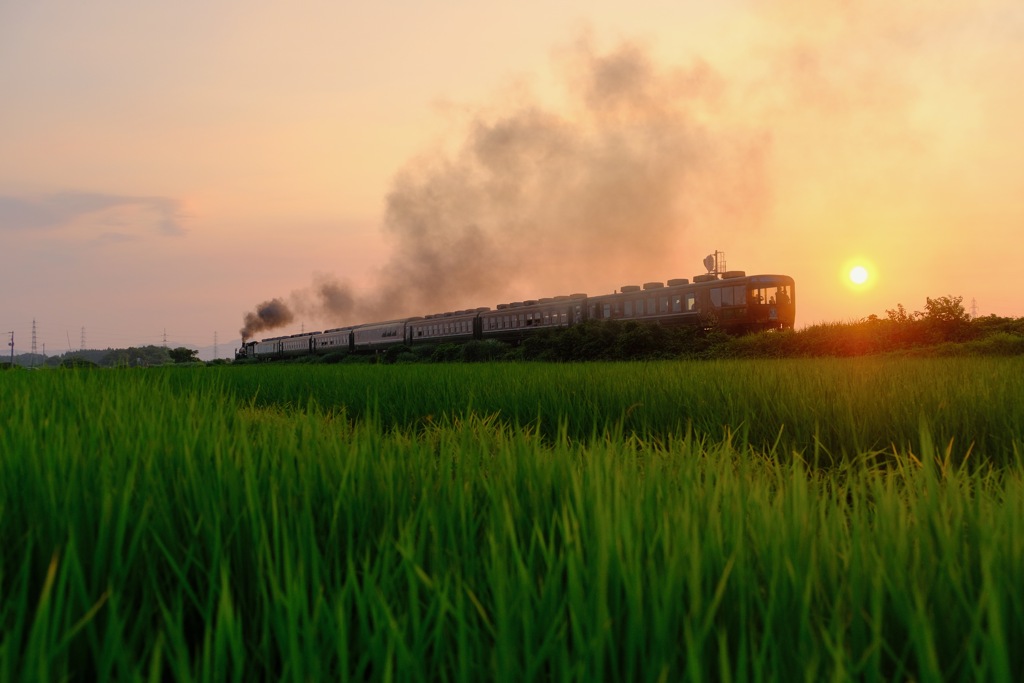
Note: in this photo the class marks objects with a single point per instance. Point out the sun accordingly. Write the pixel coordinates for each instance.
(858, 275)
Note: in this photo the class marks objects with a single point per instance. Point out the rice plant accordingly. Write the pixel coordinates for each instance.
(651, 522)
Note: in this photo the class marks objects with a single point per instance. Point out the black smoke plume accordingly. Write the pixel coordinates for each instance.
(563, 199)
(267, 316)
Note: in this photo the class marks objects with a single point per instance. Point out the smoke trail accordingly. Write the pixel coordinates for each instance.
(562, 198)
(554, 198)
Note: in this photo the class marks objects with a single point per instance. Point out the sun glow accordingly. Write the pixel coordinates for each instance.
(858, 275)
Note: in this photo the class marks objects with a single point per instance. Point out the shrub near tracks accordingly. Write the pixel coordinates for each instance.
(181, 525)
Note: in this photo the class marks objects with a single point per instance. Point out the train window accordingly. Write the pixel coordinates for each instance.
(771, 295)
(691, 301)
(716, 297)
(677, 303)
(727, 296)
(639, 307)
(628, 309)
(652, 306)
(739, 294)
(607, 312)
(565, 318)
(664, 304)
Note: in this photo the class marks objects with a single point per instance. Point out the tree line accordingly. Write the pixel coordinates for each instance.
(943, 328)
(134, 356)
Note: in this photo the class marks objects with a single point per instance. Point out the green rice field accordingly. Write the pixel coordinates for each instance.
(832, 519)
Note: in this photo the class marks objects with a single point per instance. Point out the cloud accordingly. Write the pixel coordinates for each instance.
(92, 213)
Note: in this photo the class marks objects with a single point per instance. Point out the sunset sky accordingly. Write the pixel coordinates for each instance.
(167, 167)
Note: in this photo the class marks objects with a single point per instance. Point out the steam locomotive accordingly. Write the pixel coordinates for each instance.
(730, 300)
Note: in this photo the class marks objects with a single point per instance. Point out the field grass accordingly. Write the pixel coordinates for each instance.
(825, 409)
(858, 519)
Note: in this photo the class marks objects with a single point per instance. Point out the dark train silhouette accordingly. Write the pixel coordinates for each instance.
(728, 299)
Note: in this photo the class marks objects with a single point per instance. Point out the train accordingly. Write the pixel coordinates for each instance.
(730, 300)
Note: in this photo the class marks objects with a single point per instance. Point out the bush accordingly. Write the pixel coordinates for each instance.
(446, 353)
(999, 344)
(392, 353)
(477, 351)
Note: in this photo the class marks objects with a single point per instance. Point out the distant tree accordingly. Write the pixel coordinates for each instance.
(946, 319)
(184, 355)
(946, 309)
(137, 356)
(900, 315)
(77, 362)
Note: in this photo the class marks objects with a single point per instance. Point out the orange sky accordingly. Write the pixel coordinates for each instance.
(168, 168)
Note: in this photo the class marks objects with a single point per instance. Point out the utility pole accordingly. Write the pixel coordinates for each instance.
(82, 343)
(11, 344)
(33, 336)
(215, 346)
